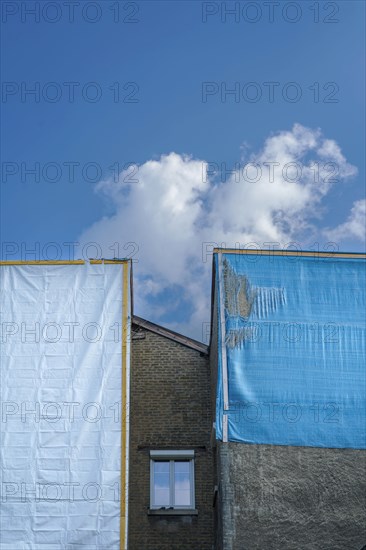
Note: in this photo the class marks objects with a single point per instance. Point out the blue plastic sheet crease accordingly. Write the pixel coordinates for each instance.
(294, 331)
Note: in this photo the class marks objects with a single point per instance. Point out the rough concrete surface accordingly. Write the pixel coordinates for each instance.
(292, 498)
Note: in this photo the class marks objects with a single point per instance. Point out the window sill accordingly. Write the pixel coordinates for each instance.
(172, 512)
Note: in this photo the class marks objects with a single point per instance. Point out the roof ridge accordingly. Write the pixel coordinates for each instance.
(171, 334)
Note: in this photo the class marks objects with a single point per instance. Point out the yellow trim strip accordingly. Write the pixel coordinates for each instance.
(60, 262)
(124, 419)
(42, 262)
(307, 253)
(108, 261)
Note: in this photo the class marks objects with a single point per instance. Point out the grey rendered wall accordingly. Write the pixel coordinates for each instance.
(292, 498)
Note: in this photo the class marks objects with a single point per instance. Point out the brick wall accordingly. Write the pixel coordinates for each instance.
(218, 469)
(170, 409)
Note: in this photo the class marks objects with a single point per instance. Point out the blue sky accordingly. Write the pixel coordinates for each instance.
(160, 55)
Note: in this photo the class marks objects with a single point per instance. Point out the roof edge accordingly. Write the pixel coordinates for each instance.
(281, 252)
(171, 334)
(65, 262)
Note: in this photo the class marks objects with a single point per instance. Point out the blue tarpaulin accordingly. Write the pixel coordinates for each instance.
(291, 349)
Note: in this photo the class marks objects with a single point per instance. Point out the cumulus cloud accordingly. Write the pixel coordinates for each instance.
(354, 227)
(172, 207)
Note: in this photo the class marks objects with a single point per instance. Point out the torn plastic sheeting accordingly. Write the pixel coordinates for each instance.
(295, 350)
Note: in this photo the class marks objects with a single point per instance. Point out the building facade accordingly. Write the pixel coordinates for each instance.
(288, 381)
(254, 442)
(294, 481)
(170, 422)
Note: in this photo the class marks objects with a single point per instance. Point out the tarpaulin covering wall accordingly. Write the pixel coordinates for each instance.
(291, 349)
(64, 405)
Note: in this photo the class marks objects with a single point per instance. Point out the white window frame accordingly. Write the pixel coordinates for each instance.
(172, 456)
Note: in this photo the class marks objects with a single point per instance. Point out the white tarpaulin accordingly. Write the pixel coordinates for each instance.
(64, 405)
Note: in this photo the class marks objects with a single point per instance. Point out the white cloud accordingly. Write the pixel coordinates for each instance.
(354, 227)
(177, 205)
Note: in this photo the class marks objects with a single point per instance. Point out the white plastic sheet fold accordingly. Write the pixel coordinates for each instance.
(63, 413)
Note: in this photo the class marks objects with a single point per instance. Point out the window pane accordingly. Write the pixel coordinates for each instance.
(161, 483)
(182, 483)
